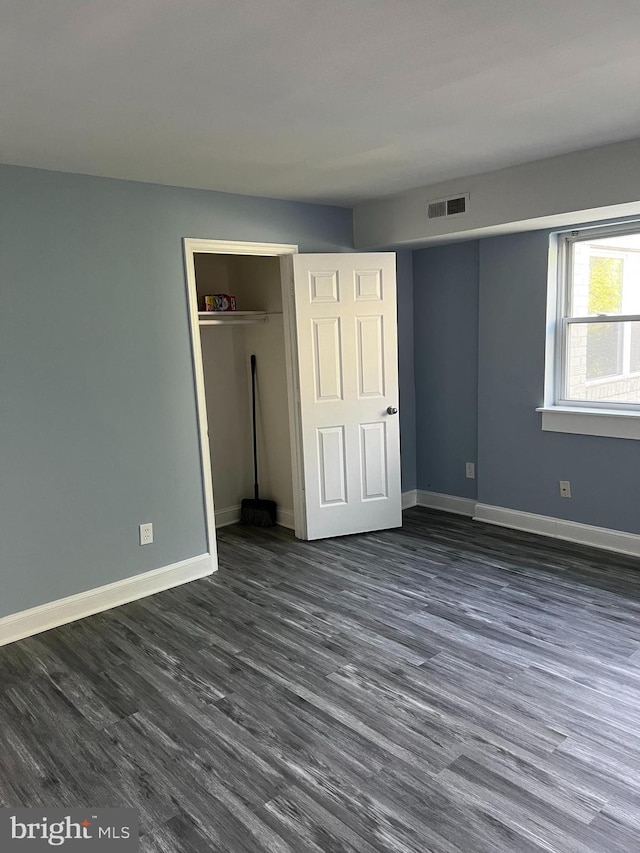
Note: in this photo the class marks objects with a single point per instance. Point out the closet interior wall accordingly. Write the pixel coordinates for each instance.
(226, 350)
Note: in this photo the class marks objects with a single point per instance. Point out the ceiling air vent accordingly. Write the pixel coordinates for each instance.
(453, 206)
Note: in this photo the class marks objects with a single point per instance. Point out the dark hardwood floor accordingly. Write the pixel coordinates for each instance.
(445, 688)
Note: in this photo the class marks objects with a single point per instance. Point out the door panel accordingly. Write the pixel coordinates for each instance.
(327, 358)
(332, 465)
(373, 445)
(348, 371)
(324, 287)
(370, 351)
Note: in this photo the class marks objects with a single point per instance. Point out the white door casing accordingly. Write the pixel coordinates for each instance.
(192, 246)
(346, 325)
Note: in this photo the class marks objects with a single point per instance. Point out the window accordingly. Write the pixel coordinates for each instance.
(595, 352)
(600, 323)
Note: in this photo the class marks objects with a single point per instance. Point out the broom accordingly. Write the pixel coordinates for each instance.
(254, 510)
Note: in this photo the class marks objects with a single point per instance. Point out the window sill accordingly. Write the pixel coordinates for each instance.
(612, 423)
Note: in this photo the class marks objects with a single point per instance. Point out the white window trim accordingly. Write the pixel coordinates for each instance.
(565, 416)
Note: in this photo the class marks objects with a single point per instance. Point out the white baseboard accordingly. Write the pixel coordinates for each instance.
(231, 515)
(409, 499)
(447, 503)
(228, 515)
(544, 525)
(285, 518)
(46, 616)
(559, 528)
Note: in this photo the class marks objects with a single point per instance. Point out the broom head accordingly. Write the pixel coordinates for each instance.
(258, 512)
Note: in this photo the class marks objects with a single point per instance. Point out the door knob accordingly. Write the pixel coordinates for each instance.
(391, 410)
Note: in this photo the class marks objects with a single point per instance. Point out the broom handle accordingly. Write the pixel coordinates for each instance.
(256, 491)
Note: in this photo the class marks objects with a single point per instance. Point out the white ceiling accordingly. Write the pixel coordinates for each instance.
(320, 100)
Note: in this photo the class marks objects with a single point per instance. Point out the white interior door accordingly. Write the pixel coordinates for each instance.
(346, 325)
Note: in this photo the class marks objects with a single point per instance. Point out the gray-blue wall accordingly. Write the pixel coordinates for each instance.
(407, 407)
(519, 465)
(97, 410)
(446, 366)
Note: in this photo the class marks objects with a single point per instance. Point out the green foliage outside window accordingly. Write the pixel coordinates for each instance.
(605, 285)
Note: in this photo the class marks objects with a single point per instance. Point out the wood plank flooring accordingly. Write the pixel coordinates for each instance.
(449, 687)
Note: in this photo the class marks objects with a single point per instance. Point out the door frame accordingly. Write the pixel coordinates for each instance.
(191, 247)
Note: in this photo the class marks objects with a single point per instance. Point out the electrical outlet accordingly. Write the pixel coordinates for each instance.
(565, 489)
(470, 470)
(146, 533)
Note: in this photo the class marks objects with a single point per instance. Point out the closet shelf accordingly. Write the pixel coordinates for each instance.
(231, 318)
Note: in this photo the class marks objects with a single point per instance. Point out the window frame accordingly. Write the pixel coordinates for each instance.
(559, 414)
(564, 317)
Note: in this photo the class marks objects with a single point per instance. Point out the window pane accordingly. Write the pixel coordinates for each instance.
(605, 285)
(634, 355)
(603, 362)
(603, 350)
(605, 276)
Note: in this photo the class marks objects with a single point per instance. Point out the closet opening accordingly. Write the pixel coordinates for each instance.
(223, 343)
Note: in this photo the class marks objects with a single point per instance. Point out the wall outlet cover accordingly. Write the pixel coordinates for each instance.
(470, 470)
(146, 533)
(565, 489)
